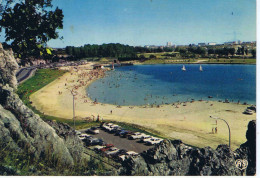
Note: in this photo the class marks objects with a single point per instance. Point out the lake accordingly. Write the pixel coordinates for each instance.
(162, 84)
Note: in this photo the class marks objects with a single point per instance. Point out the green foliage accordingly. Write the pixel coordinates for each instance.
(253, 52)
(42, 77)
(29, 25)
(105, 50)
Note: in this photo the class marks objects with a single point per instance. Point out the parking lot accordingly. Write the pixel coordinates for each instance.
(121, 143)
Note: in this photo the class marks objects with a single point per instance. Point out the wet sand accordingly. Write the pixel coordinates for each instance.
(190, 123)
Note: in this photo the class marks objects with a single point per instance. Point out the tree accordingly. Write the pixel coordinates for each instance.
(231, 51)
(246, 51)
(243, 50)
(200, 51)
(152, 56)
(253, 52)
(29, 25)
(211, 51)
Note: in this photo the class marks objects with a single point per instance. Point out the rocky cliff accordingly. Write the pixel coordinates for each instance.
(22, 131)
(176, 158)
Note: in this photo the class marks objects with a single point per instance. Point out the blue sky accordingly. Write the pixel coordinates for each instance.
(147, 22)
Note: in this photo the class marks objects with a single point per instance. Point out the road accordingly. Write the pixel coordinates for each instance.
(24, 73)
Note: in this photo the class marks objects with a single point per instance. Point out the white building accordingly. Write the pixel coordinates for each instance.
(212, 43)
(169, 44)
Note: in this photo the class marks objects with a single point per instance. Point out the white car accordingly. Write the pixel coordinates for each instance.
(131, 153)
(108, 128)
(109, 124)
(112, 150)
(146, 139)
(127, 154)
(83, 136)
(98, 147)
(153, 141)
(136, 135)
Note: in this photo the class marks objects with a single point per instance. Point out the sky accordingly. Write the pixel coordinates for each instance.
(155, 22)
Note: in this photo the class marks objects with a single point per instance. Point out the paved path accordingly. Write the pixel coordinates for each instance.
(24, 73)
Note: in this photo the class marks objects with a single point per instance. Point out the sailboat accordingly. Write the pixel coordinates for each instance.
(183, 68)
(201, 68)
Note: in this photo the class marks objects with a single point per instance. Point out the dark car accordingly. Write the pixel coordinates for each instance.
(125, 133)
(93, 130)
(119, 131)
(94, 141)
(116, 129)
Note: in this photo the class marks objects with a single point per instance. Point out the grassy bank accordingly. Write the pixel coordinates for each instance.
(41, 78)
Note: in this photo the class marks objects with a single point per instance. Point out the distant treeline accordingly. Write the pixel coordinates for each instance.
(111, 50)
(104, 50)
(126, 52)
(191, 51)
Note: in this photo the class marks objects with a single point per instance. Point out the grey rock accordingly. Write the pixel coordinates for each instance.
(8, 68)
(247, 150)
(176, 158)
(23, 131)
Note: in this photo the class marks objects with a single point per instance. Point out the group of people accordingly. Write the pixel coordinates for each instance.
(83, 79)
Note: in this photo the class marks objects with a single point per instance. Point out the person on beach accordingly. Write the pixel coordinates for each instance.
(216, 130)
(111, 112)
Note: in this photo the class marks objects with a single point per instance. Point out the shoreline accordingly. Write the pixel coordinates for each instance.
(196, 63)
(189, 123)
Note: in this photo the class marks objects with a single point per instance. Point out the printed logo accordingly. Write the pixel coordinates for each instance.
(241, 164)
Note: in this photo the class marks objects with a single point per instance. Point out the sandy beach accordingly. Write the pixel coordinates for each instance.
(190, 123)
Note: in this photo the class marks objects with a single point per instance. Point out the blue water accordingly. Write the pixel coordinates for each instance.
(162, 84)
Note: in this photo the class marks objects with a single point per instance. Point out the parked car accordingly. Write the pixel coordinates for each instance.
(107, 146)
(145, 139)
(126, 134)
(120, 152)
(93, 130)
(123, 132)
(94, 141)
(132, 153)
(98, 148)
(111, 151)
(116, 129)
(249, 112)
(83, 136)
(136, 135)
(119, 131)
(252, 107)
(154, 141)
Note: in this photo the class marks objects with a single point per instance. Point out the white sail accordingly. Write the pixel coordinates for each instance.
(201, 68)
(183, 68)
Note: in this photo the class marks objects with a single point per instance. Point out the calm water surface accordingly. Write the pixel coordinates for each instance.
(160, 84)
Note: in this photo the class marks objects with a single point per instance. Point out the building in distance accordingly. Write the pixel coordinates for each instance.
(202, 44)
(169, 44)
(212, 43)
